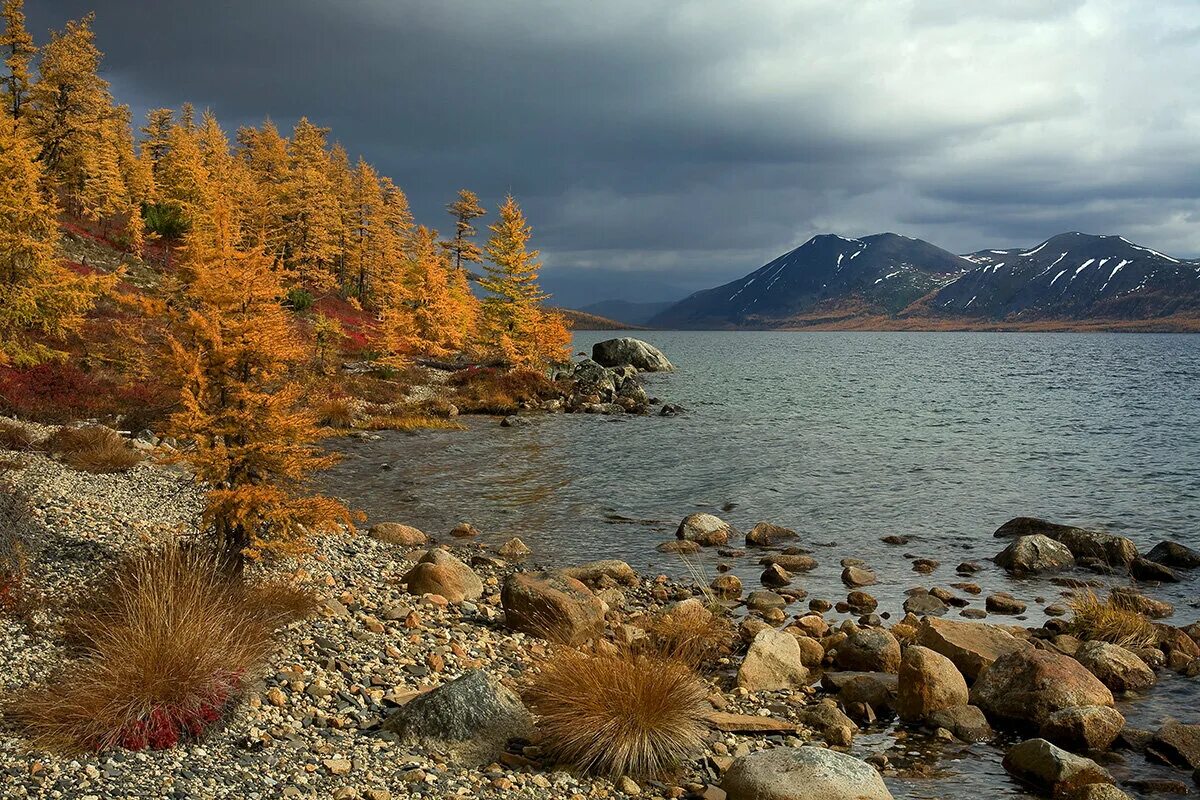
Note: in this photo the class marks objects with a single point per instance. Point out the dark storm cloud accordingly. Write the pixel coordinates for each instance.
(695, 140)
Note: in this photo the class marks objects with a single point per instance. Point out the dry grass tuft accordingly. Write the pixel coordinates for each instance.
(93, 449)
(336, 412)
(166, 643)
(495, 391)
(14, 436)
(618, 713)
(11, 464)
(698, 640)
(1106, 621)
(409, 422)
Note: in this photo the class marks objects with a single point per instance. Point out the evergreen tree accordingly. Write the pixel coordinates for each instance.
(17, 47)
(311, 210)
(39, 299)
(461, 249)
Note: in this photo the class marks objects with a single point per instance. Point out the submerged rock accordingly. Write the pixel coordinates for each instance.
(765, 534)
(627, 351)
(802, 773)
(470, 719)
(1040, 763)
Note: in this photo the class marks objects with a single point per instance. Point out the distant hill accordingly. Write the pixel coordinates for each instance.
(886, 281)
(581, 321)
(627, 310)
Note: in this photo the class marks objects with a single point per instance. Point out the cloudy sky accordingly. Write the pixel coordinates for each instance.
(661, 147)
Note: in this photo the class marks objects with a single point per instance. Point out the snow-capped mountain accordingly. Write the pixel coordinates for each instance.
(885, 271)
(1073, 276)
(1069, 277)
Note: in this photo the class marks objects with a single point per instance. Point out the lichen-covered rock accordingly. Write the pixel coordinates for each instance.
(868, 650)
(397, 533)
(970, 645)
(928, 682)
(1027, 686)
(469, 719)
(627, 351)
(705, 529)
(1083, 728)
(772, 662)
(802, 773)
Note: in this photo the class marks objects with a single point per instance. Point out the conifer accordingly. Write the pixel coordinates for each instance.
(17, 47)
(461, 248)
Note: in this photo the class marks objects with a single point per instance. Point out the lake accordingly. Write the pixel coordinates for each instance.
(845, 437)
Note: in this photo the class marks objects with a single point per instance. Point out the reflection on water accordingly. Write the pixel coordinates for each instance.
(845, 437)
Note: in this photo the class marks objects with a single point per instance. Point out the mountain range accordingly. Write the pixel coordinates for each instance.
(892, 281)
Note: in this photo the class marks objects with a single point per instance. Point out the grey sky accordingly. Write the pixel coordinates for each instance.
(690, 142)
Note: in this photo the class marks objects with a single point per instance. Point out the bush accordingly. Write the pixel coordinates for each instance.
(494, 391)
(620, 713)
(336, 413)
(57, 392)
(93, 449)
(1107, 621)
(698, 640)
(166, 644)
(300, 300)
(14, 436)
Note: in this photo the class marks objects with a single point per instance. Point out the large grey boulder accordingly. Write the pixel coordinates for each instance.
(627, 351)
(802, 773)
(470, 719)
(1029, 555)
(1051, 768)
(1083, 543)
(1027, 686)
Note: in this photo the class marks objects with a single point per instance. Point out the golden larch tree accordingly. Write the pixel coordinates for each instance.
(265, 154)
(39, 298)
(18, 49)
(462, 248)
(312, 213)
(517, 325)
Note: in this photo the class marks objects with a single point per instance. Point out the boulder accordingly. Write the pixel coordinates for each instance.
(1083, 728)
(1131, 599)
(596, 572)
(861, 603)
(868, 650)
(858, 576)
(970, 645)
(797, 562)
(773, 662)
(775, 576)
(830, 723)
(928, 682)
(464, 530)
(591, 378)
(1173, 554)
(1117, 668)
(726, 586)
(1146, 570)
(470, 719)
(627, 351)
(1027, 686)
(1098, 791)
(1109, 549)
(968, 723)
(765, 534)
(1030, 555)
(514, 549)
(876, 689)
(1004, 603)
(1176, 744)
(553, 606)
(762, 600)
(705, 529)
(397, 533)
(1051, 768)
(439, 572)
(802, 773)
(924, 604)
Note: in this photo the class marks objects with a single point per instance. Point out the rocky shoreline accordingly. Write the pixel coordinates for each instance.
(402, 616)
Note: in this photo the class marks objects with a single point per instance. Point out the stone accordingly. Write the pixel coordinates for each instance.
(775, 576)
(439, 572)
(1146, 570)
(596, 572)
(748, 723)
(802, 773)
(705, 529)
(970, 645)
(792, 562)
(968, 723)
(1004, 603)
(765, 534)
(1031, 555)
(811, 651)
(515, 421)
(1051, 768)
(471, 719)
(396, 533)
(928, 682)
(1133, 600)
(1027, 686)
(1107, 548)
(830, 722)
(876, 689)
(553, 606)
(773, 662)
(514, 549)
(861, 602)
(1177, 744)
(925, 604)
(726, 586)
(762, 600)
(1173, 554)
(1083, 728)
(627, 351)
(868, 650)
(1098, 791)
(626, 785)
(858, 576)
(680, 546)
(464, 530)
(1117, 668)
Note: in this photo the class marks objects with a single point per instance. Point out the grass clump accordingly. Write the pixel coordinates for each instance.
(693, 636)
(336, 412)
(494, 391)
(409, 422)
(166, 643)
(1107, 621)
(619, 713)
(14, 436)
(93, 449)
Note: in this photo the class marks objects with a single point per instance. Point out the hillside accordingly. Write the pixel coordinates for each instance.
(885, 281)
(628, 311)
(582, 321)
